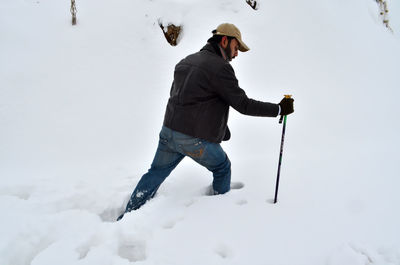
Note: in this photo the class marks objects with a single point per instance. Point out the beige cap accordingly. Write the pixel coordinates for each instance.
(231, 30)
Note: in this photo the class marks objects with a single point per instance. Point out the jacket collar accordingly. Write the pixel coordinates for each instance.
(216, 49)
(213, 48)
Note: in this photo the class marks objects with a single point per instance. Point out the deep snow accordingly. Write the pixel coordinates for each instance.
(81, 107)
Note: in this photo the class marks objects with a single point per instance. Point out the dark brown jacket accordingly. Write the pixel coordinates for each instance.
(204, 87)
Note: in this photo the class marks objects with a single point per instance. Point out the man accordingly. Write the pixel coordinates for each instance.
(196, 116)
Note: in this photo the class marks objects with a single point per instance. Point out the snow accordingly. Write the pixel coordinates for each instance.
(81, 107)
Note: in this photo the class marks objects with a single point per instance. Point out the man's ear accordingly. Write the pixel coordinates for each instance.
(224, 42)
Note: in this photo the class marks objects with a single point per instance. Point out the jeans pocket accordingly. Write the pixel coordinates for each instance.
(193, 148)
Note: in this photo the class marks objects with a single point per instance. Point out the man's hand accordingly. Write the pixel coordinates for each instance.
(286, 106)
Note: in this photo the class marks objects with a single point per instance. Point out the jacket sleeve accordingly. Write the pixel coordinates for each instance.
(228, 89)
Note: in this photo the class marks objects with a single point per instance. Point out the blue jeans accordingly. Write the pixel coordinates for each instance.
(173, 146)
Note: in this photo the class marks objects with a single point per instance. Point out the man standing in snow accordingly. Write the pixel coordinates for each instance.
(196, 116)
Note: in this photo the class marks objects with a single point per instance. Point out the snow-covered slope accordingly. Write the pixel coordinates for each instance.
(81, 107)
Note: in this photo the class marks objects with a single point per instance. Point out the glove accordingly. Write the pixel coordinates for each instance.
(286, 106)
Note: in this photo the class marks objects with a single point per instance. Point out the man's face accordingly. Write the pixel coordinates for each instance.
(231, 48)
(234, 48)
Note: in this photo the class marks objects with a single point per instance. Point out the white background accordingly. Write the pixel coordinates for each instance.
(81, 107)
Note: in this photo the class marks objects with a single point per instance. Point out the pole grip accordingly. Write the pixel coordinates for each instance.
(281, 118)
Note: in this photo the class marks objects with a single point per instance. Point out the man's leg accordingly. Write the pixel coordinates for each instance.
(216, 160)
(165, 160)
(213, 157)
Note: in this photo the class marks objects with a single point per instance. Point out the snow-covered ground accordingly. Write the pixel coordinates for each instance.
(81, 107)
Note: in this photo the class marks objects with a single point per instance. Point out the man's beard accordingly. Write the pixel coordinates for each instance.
(228, 51)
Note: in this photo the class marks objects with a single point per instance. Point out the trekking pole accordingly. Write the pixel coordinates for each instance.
(283, 117)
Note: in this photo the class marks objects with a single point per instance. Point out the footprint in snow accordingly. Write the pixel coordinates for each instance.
(237, 185)
(171, 224)
(111, 214)
(241, 202)
(132, 250)
(223, 251)
(189, 202)
(21, 192)
(83, 251)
